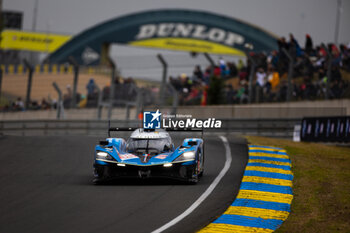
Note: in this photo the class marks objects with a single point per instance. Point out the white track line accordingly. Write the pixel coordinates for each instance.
(206, 193)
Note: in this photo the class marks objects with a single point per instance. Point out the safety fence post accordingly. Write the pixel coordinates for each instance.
(290, 74)
(212, 63)
(1, 72)
(75, 65)
(175, 99)
(29, 83)
(112, 87)
(251, 77)
(99, 101)
(329, 71)
(162, 87)
(59, 107)
(139, 102)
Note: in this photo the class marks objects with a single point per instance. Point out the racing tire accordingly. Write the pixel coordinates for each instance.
(193, 176)
(193, 180)
(98, 176)
(202, 163)
(97, 181)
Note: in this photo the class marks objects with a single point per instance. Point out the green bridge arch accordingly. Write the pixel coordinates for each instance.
(185, 30)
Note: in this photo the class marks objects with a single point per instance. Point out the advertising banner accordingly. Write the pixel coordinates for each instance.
(32, 41)
(325, 129)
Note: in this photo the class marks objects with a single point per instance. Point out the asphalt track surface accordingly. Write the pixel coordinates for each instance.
(46, 187)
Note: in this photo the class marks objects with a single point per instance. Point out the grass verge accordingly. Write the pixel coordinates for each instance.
(321, 185)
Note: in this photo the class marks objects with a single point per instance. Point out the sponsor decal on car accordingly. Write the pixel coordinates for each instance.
(127, 156)
(162, 156)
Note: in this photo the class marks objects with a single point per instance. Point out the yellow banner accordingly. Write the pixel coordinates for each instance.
(32, 41)
(186, 44)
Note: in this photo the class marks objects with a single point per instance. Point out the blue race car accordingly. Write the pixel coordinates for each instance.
(149, 153)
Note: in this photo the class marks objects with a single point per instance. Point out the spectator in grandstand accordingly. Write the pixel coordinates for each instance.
(271, 84)
(272, 59)
(129, 89)
(345, 54)
(309, 79)
(294, 47)
(243, 74)
(232, 68)
(34, 105)
(242, 93)
(54, 103)
(105, 91)
(283, 60)
(186, 84)
(206, 75)
(240, 65)
(260, 77)
(175, 82)
(195, 96)
(222, 63)
(19, 105)
(322, 90)
(91, 87)
(308, 45)
(309, 91)
(336, 90)
(282, 94)
(230, 94)
(67, 98)
(197, 73)
(335, 73)
(217, 71)
(92, 95)
(273, 78)
(44, 104)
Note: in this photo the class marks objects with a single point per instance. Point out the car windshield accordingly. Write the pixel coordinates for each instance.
(156, 146)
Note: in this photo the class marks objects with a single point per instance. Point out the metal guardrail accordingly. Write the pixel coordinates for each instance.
(264, 127)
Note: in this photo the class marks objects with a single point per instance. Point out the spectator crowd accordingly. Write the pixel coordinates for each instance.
(317, 73)
(228, 82)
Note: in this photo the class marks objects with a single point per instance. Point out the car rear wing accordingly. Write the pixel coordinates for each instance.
(121, 129)
(186, 130)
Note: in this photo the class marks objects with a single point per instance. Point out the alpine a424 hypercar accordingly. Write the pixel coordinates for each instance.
(149, 153)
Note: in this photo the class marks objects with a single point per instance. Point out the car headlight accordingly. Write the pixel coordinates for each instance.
(189, 155)
(103, 155)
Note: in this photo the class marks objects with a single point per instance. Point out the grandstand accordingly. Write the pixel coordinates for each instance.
(15, 85)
